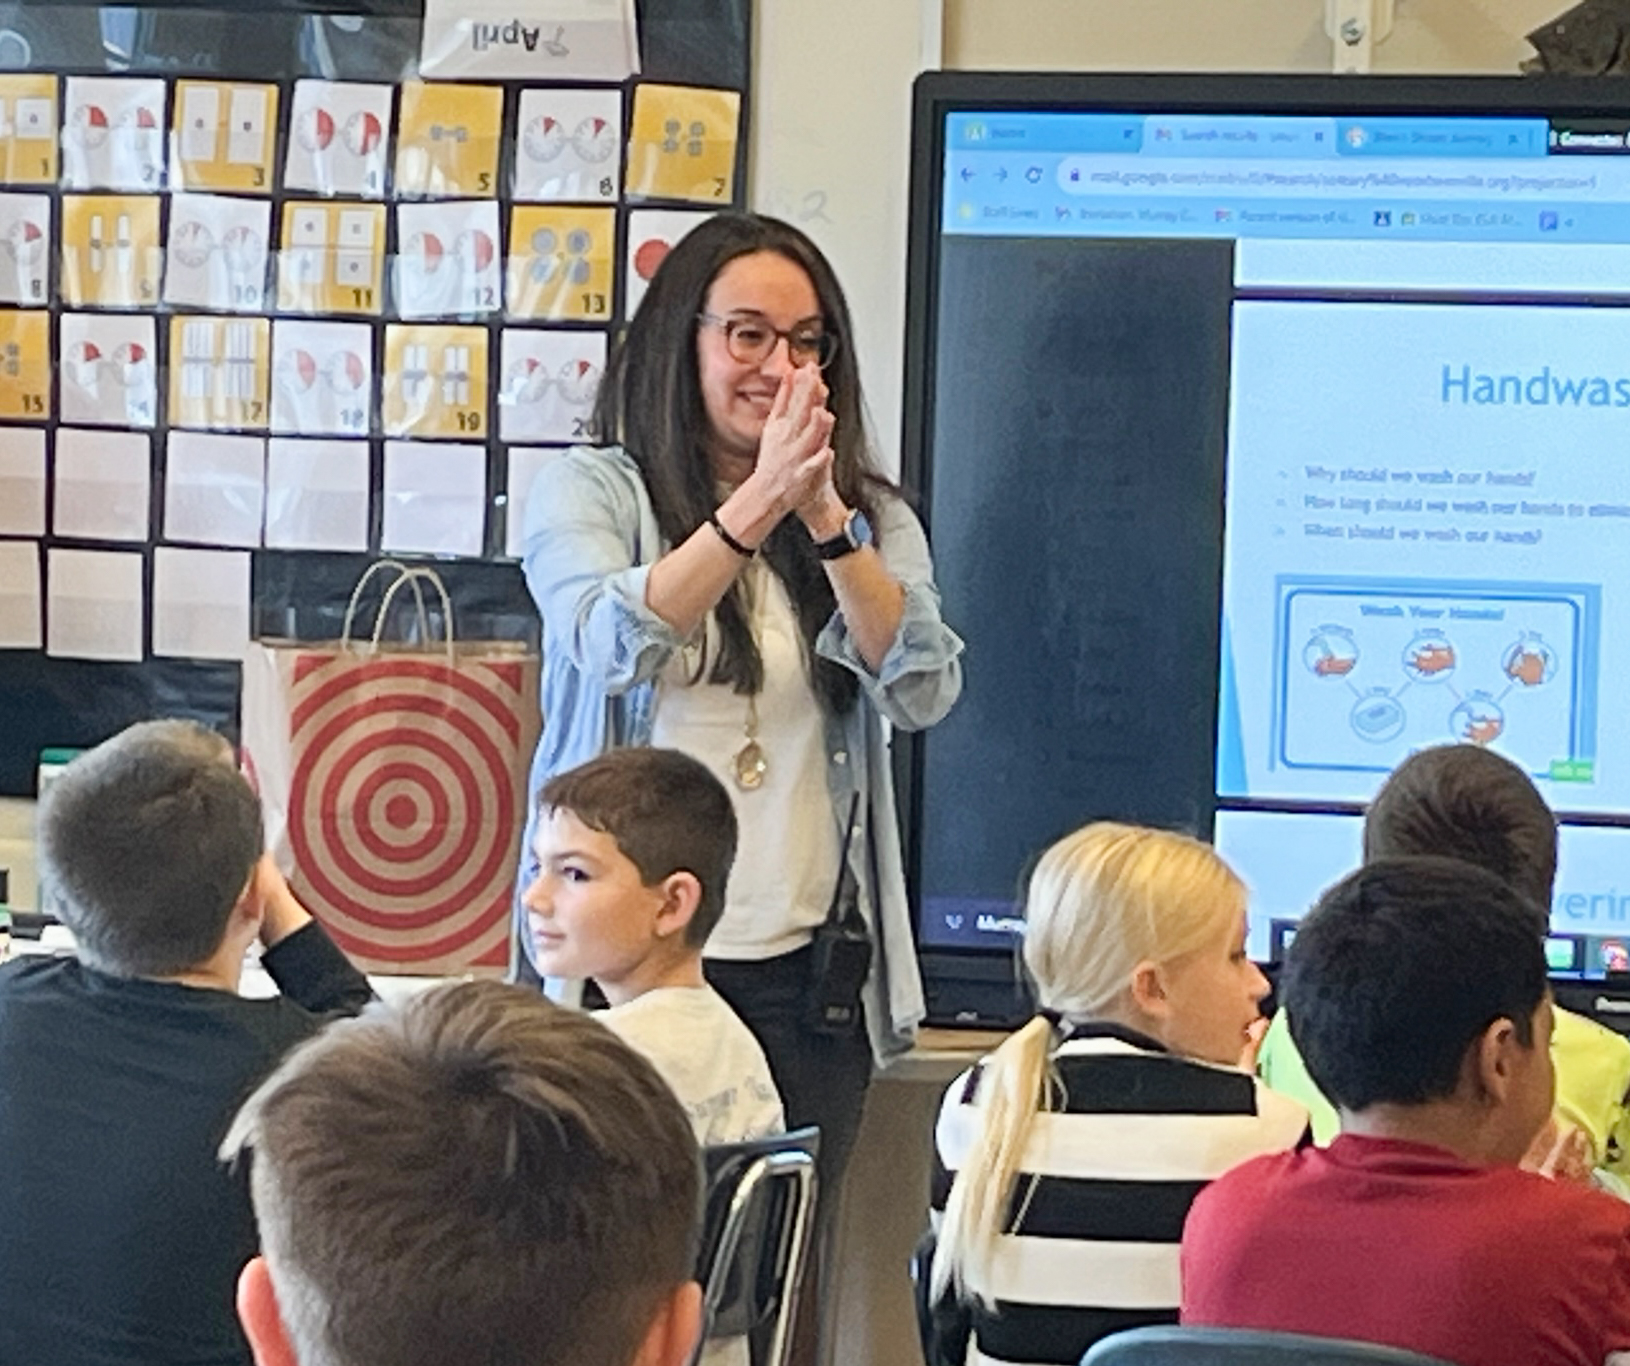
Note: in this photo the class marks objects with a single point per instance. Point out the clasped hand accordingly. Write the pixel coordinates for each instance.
(795, 452)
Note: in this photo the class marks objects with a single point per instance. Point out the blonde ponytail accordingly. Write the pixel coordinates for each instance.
(1101, 901)
(1014, 1086)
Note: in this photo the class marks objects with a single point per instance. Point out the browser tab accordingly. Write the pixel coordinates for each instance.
(1217, 135)
(1442, 137)
(1044, 132)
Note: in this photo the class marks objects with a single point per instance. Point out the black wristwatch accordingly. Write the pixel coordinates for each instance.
(857, 531)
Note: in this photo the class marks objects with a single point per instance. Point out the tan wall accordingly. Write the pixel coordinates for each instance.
(1439, 36)
(831, 149)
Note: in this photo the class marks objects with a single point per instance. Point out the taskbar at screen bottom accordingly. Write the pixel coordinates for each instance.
(951, 922)
(1568, 957)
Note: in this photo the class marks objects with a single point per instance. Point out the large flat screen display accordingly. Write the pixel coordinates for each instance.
(1269, 431)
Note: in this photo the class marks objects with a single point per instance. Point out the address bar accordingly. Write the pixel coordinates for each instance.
(1087, 175)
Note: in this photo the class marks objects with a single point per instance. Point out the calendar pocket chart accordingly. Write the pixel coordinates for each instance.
(271, 299)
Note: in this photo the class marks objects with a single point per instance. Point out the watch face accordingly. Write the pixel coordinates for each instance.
(859, 529)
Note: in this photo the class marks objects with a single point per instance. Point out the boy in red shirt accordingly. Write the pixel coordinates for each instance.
(1418, 996)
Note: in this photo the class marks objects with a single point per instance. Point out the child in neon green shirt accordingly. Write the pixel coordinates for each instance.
(1466, 802)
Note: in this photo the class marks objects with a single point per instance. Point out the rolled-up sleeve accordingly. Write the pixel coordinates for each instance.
(580, 552)
(921, 675)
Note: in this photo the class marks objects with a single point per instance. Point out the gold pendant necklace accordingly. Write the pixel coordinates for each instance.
(750, 763)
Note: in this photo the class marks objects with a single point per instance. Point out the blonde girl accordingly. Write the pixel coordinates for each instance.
(1068, 1158)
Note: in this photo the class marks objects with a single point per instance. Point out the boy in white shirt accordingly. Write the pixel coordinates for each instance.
(634, 850)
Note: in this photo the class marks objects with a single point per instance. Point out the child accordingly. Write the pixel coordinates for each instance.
(1466, 802)
(475, 1176)
(1417, 994)
(1124, 1090)
(120, 1235)
(634, 849)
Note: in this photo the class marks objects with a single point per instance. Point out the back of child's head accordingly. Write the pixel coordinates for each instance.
(1399, 968)
(476, 1175)
(1108, 897)
(1468, 803)
(667, 813)
(149, 841)
(1101, 902)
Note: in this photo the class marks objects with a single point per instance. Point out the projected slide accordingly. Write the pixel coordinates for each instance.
(1428, 540)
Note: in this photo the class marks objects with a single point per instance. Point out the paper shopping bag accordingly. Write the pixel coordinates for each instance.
(394, 782)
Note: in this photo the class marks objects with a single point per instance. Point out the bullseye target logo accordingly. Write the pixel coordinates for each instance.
(405, 809)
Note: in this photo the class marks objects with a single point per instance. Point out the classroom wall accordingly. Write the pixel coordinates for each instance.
(1429, 36)
(830, 148)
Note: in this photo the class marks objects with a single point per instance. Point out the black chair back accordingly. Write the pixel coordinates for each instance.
(756, 1236)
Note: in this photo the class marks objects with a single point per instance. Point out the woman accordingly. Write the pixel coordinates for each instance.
(731, 576)
(1124, 1089)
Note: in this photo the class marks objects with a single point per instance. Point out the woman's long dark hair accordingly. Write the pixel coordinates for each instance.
(650, 402)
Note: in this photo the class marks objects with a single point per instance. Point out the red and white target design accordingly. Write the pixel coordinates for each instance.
(405, 806)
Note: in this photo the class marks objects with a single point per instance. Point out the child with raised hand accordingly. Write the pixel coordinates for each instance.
(1067, 1159)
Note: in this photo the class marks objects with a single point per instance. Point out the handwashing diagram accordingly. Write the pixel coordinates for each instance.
(1370, 671)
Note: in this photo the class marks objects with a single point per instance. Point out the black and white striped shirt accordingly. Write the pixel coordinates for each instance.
(1107, 1178)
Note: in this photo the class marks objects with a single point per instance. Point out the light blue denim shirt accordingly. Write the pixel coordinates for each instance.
(590, 539)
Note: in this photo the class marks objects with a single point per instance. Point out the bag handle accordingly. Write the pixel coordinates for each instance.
(402, 571)
(411, 577)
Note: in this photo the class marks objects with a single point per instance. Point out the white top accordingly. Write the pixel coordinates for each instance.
(708, 1056)
(788, 844)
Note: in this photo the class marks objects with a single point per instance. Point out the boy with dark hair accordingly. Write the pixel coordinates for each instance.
(475, 1176)
(1468, 803)
(120, 1235)
(634, 852)
(1417, 993)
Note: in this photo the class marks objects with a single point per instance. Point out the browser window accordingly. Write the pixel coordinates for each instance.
(1418, 329)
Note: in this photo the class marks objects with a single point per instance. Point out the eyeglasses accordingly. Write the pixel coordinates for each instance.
(752, 341)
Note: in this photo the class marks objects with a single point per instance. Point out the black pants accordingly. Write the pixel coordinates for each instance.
(822, 1077)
